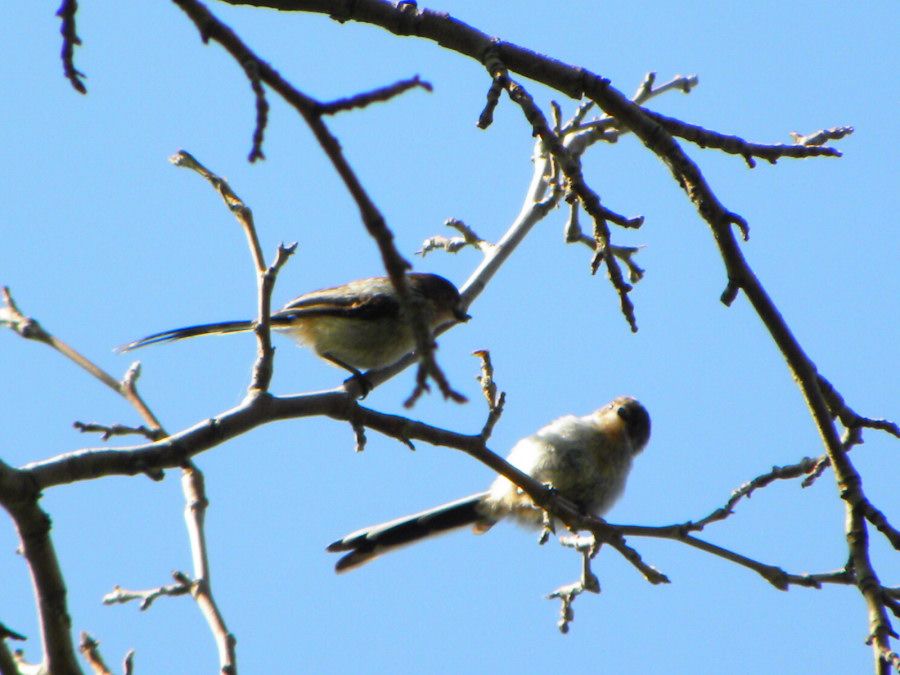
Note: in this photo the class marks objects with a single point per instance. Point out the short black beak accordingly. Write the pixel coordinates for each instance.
(460, 315)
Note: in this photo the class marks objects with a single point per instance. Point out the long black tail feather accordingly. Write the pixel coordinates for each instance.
(220, 327)
(370, 542)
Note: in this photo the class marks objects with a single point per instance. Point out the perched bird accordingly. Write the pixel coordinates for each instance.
(356, 326)
(586, 459)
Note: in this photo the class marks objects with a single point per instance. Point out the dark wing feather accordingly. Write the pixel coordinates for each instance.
(364, 299)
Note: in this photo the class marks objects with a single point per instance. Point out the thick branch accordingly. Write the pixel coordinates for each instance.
(20, 499)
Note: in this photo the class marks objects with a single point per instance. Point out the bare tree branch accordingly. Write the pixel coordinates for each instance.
(265, 276)
(587, 197)
(90, 649)
(66, 12)
(193, 486)
(379, 95)
(108, 431)
(821, 136)
(588, 583)
(19, 498)
(734, 145)
(121, 596)
(30, 329)
(495, 400)
(200, 587)
(262, 111)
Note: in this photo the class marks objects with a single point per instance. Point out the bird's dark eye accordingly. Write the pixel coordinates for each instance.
(622, 412)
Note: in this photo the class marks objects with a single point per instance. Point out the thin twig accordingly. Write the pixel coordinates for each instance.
(196, 503)
(734, 145)
(359, 433)
(265, 275)
(379, 95)
(128, 388)
(90, 648)
(262, 112)
(588, 583)
(146, 598)
(108, 431)
(771, 573)
(499, 80)
(263, 368)
(454, 244)
(744, 491)
(241, 212)
(821, 136)
(588, 198)
(66, 12)
(849, 417)
(31, 329)
(495, 400)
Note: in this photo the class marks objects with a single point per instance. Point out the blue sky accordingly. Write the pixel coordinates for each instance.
(104, 241)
